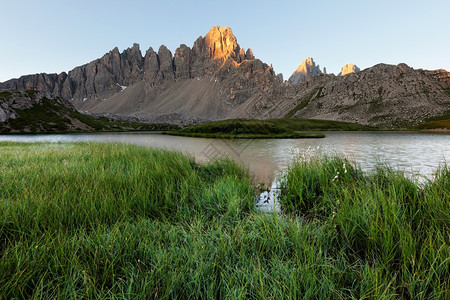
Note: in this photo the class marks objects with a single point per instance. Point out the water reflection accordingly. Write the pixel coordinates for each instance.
(412, 152)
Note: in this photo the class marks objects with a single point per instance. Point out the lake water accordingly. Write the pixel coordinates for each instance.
(414, 152)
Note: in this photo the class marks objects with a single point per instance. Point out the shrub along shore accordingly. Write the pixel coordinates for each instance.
(94, 220)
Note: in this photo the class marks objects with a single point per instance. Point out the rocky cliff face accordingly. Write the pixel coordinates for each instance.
(203, 83)
(306, 69)
(217, 79)
(88, 86)
(96, 80)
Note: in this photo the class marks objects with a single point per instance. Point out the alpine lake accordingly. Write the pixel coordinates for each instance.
(415, 153)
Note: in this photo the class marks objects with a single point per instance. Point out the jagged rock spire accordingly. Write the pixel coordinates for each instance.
(307, 68)
(348, 69)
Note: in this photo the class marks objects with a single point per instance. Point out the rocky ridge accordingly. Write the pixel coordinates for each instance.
(142, 80)
(383, 95)
(217, 79)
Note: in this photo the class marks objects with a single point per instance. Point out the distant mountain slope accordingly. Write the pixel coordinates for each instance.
(217, 79)
(34, 111)
(383, 95)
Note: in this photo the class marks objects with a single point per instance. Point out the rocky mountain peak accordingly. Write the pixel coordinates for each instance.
(348, 69)
(309, 61)
(114, 51)
(134, 52)
(306, 69)
(221, 43)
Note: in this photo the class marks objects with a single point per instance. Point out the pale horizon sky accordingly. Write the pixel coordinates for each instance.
(53, 36)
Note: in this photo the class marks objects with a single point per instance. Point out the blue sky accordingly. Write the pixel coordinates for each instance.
(54, 36)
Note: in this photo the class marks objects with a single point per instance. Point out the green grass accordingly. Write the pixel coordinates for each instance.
(240, 128)
(393, 230)
(319, 125)
(273, 128)
(316, 93)
(5, 95)
(88, 220)
(31, 93)
(236, 126)
(290, 135)
(48, 115)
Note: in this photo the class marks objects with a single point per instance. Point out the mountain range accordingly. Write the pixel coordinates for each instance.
(217, 79)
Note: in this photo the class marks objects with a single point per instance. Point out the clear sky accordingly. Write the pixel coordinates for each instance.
(57, 35)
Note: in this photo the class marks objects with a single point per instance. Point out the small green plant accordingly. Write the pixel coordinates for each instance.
(380, 93)
(5, 95)
(31, 93)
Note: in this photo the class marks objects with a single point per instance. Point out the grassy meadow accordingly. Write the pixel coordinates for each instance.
(90, 220)
(243, 129)
(273, 128)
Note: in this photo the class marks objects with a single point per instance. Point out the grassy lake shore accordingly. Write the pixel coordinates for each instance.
(265, 129)
(289, 135)
(91, 220)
